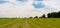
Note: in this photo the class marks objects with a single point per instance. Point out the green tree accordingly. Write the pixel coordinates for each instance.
(36, 17)
(43, 16)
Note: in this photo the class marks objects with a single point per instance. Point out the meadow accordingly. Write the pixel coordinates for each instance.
(29, 22)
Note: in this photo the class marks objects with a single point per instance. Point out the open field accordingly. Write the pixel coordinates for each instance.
(30, 23)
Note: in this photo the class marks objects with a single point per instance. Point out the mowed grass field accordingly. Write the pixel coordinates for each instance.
(29, 22)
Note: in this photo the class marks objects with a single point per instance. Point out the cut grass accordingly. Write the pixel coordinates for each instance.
(32, 22)
(46, 23)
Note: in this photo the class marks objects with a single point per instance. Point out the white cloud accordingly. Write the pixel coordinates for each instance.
(18, 9)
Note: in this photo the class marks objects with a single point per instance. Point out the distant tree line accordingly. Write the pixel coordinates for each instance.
(50, 15)
(54, 15)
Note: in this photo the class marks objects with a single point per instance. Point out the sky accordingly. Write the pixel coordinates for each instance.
(27, 8)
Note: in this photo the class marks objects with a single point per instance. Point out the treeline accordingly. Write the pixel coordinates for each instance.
(54, 15)
(49, 15)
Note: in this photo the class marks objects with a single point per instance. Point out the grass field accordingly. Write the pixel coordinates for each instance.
(30, 23)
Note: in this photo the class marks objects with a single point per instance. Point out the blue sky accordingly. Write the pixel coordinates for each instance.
(2, 1)
(22, 0)
(38, 0)
(27, 8)
(38, 5)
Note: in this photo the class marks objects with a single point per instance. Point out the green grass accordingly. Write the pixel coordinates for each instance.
(5, 23)
(46, 23)
(33, 23)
